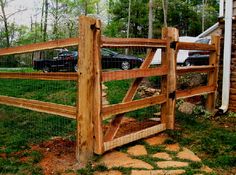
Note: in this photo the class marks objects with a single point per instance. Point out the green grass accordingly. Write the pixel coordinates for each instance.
(215, 144)
(63, 92)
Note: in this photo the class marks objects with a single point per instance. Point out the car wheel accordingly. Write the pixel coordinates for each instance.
(76, 68)
(125, 65)
(187, 63)
(46, 69)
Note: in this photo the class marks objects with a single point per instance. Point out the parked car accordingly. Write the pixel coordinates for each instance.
(198, 57)
(182, 54)
(67, 60)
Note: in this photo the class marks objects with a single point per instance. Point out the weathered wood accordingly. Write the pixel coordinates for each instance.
(97, 105)
(85, 136)
(40, 46)
(39, 76)
(136, 73)
(133, 42)
(213, 76)
(172, 35)
(134, 136)
(164, 62)
(195, 46)
(133, 105)
(39, 106)
(195, 69)
(115, 123)
(202, 90)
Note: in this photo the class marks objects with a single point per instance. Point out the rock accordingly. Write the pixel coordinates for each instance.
(137, 150)
(162, 155)
(157, 140)
(157, 172)
(187, 107)
(172, 147)
(104, 101)
(108, 173)
(189, 155)
(171, 164)
(118, 159)
(104, 87)
(104, 94)
(206, 169)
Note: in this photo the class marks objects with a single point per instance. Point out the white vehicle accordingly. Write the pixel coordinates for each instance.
(182, 55)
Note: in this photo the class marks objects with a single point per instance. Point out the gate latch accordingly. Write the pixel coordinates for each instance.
(172, 95)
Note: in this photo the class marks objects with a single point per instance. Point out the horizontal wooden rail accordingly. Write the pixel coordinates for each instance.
(195, 46)
(135, 73)
(134, 136)
(195, 69)
(133, 42)
(39, 106)
(40, 76)
(195, 92)
(40, 46)
(107, 42)
(133, 105)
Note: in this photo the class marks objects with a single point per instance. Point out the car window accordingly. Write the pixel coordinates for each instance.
(203, 41)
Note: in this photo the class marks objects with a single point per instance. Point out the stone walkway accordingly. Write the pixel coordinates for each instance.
(153, 156)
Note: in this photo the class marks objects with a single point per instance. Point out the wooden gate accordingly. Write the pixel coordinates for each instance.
(89, 111)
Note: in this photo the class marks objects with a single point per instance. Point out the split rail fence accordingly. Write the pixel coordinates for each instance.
(89, 111)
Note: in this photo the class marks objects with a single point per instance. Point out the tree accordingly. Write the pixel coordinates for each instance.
(4, 17)
(150, 19)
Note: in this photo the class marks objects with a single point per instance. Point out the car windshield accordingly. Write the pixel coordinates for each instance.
(108, 52)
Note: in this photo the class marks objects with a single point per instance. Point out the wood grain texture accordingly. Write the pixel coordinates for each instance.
(97, 105)
(40, 46)
(133, 105)
(115, 123)
(213, 76)
(39, 106)
(172, 35)
(195, 92)
(136, 73)
(134, 136)
(85, 135)
(195, 69)
(40, 76)
(133, 42)
(195, 46)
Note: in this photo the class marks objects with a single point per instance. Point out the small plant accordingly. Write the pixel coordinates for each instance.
(200, 110)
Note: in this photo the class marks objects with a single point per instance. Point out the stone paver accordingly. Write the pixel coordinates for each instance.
(171, 164)
(108, 173)
(206, 169)
(172, 147)
(118, 159)
(162, 155)
(189, 155)
(157, 172)
(137, 150)
(157, 140)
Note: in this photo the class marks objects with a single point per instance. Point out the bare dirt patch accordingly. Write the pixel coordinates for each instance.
(58, 156)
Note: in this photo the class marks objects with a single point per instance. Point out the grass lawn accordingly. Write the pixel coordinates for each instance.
(214, 140)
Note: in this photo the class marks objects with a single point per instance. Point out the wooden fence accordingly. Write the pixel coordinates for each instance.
(89, 111)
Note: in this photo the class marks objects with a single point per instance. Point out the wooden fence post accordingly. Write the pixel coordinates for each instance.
(169, 82)
(87, 94)
(213, 76)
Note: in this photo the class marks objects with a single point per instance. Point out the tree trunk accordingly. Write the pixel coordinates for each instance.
(42, 17)
(150, 19)
(128, 25)
(55, 29)
(3, 3)
(45, 21)
(165, 11)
